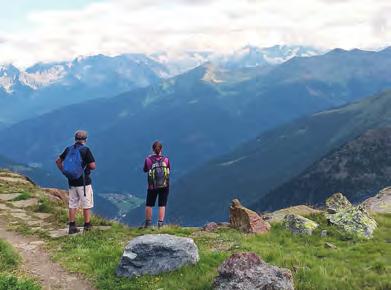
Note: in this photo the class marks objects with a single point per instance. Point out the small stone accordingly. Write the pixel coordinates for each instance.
(37, 243)
(330, 245)
(246, 220)
(323, 233)
(210, 227)
(248, 271)
(299, 225)
(42, 216)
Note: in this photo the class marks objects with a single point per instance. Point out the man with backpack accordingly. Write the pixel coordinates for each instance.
(158, 168)
(76, 163)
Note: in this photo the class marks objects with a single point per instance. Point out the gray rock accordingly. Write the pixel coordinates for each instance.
(380, 203)
(323, 233)
(154, 254)
(337, 202)
(299, 225)
(247, 271)
(355, 221)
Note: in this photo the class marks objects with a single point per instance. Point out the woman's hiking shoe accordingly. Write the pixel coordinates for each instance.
(147, 224)
(73, 229)
(87, 227)
(159, 224)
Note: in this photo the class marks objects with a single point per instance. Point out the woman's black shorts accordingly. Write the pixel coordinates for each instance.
(152, 194)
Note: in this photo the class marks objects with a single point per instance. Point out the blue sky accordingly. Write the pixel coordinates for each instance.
(54, 30)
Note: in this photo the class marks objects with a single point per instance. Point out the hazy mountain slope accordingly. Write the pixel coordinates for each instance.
(40, 176)
(358, 169)
(196, 118)
(257, 167)
(44, 87)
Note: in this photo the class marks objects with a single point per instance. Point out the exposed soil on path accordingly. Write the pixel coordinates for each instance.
(37, 262)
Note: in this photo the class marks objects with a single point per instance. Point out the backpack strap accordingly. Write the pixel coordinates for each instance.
(81, 146)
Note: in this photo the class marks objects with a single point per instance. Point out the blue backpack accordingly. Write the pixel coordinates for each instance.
(73, 163)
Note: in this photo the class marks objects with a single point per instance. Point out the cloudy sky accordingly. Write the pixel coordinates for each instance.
(47, 30)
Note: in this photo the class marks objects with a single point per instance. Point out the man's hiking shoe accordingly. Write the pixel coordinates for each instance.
(73, 230)
(147, 224)
(87, 227)
(159, 224)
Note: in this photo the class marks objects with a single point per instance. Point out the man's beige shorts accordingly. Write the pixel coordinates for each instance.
(76, 197)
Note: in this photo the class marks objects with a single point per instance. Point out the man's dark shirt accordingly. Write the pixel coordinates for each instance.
(87, 158)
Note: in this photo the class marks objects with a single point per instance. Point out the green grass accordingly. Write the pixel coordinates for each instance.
(355, 264)
(10, 278)
(9, 259)
(23, 196)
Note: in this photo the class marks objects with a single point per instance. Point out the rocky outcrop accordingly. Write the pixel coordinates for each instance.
(299, 225)
(355, 221)
(247, 271)
(380, 203)
(278, 216)
(154, 254)
(246, 220)
(56, 194)
(337, 202)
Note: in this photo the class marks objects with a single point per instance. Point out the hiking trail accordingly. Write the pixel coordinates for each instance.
(36, 261)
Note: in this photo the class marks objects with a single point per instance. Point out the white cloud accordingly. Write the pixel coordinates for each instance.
(118, 26)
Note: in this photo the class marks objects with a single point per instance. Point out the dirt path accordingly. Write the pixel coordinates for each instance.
(38, 263)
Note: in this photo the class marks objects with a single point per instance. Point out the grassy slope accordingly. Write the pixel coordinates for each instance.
(355, 264)
(10, 277)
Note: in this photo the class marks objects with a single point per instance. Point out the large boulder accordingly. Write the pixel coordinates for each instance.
(380, 203)
(154, 254)
(278, 216)
(337, 202)
(299, 225)
(247, 271)
(246, 220)
(355, 221)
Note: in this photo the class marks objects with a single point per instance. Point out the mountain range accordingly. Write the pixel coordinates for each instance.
(246, 57)
(200, 114)
(257, 167)
(358, 169)
(45, 87)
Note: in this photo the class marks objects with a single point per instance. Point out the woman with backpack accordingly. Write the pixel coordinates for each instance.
(158, 168)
